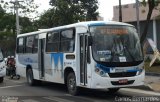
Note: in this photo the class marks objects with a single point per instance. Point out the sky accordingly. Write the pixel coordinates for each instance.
(105, 6)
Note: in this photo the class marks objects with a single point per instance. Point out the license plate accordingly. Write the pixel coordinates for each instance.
(119, 70)
(123, 81)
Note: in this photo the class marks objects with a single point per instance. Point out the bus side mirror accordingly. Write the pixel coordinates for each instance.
(90, 41)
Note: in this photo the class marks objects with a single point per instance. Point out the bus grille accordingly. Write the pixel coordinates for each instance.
(122, 74)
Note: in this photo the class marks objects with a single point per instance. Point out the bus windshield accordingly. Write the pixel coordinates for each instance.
(116, 44)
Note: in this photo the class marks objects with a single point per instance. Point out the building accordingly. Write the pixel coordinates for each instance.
(129, 16)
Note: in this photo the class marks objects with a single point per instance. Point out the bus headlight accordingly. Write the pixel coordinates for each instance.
(100, 72)
(140, 70)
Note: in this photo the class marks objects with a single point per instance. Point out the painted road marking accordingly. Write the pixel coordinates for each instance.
(57, 99)
(30, 100)
(5, 87)
(141, 91)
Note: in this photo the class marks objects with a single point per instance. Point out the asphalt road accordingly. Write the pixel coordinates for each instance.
(13, 90)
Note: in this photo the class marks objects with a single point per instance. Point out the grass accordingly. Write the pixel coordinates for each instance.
(154, 68)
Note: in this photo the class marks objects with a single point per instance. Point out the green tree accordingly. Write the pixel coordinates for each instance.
(1, 11)
(46, 20)
(66, 12)
(7, 37)
(8, 29)
(26, 7)
(152, 5)
(27, 25)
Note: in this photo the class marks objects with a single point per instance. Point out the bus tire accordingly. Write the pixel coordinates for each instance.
(71, 84)
(1, 79)
(113, 90)
(30, 79)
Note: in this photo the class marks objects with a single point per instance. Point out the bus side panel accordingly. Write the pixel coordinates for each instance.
(25, 60)
(55, 64)
(54, 67)
(20, 68)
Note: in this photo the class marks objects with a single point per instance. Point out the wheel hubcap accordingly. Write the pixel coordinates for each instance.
(29, 78)
(72, 83)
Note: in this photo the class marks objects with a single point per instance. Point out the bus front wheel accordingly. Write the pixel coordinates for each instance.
(30, 78)
(71, 84)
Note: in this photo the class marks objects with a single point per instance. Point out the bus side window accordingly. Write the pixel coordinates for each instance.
(53, 42)
(35, 44)
(20, 45)
(67, 40)
(29, 44)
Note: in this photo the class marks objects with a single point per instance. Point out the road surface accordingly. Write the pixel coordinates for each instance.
(13, 90)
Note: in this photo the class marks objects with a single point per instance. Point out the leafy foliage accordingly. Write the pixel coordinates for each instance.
(8, 30)
(7, 36)
(65, 12)
(26, 7)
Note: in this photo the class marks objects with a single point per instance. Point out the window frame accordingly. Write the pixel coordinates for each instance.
(28, 52)
(24, 47)
(46, 47)
(74, 33)
(60, 41)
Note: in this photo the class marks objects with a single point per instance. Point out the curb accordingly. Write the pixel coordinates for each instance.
(152, 74)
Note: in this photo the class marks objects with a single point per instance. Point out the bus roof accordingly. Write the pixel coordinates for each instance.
(85, 24)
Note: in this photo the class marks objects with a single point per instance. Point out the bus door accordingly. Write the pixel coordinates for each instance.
(41, 58)
(83, 59)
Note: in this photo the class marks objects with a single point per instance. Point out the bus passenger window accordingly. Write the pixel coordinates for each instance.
(67, 40)
(35, 44)
(29, 44)
(52, 42)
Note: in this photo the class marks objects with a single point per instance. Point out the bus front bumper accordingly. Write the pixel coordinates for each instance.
(107, 82)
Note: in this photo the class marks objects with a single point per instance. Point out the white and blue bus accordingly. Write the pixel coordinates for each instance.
(95, 54)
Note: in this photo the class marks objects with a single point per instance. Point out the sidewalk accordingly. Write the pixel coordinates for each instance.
(153, 81)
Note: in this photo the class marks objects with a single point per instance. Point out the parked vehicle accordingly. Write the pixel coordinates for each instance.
(2, 67)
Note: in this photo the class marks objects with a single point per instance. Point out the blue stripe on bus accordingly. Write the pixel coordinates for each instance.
(104, 68)
(107, 69)
(57, 57)
(132, 70)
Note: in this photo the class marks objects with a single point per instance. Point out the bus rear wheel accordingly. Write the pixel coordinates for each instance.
(30, 79)
(71, 84)
(1, 79)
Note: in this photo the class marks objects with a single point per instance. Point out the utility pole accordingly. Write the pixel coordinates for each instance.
(120, 11)
(17, 16)
(16, 7)
(137, 13)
